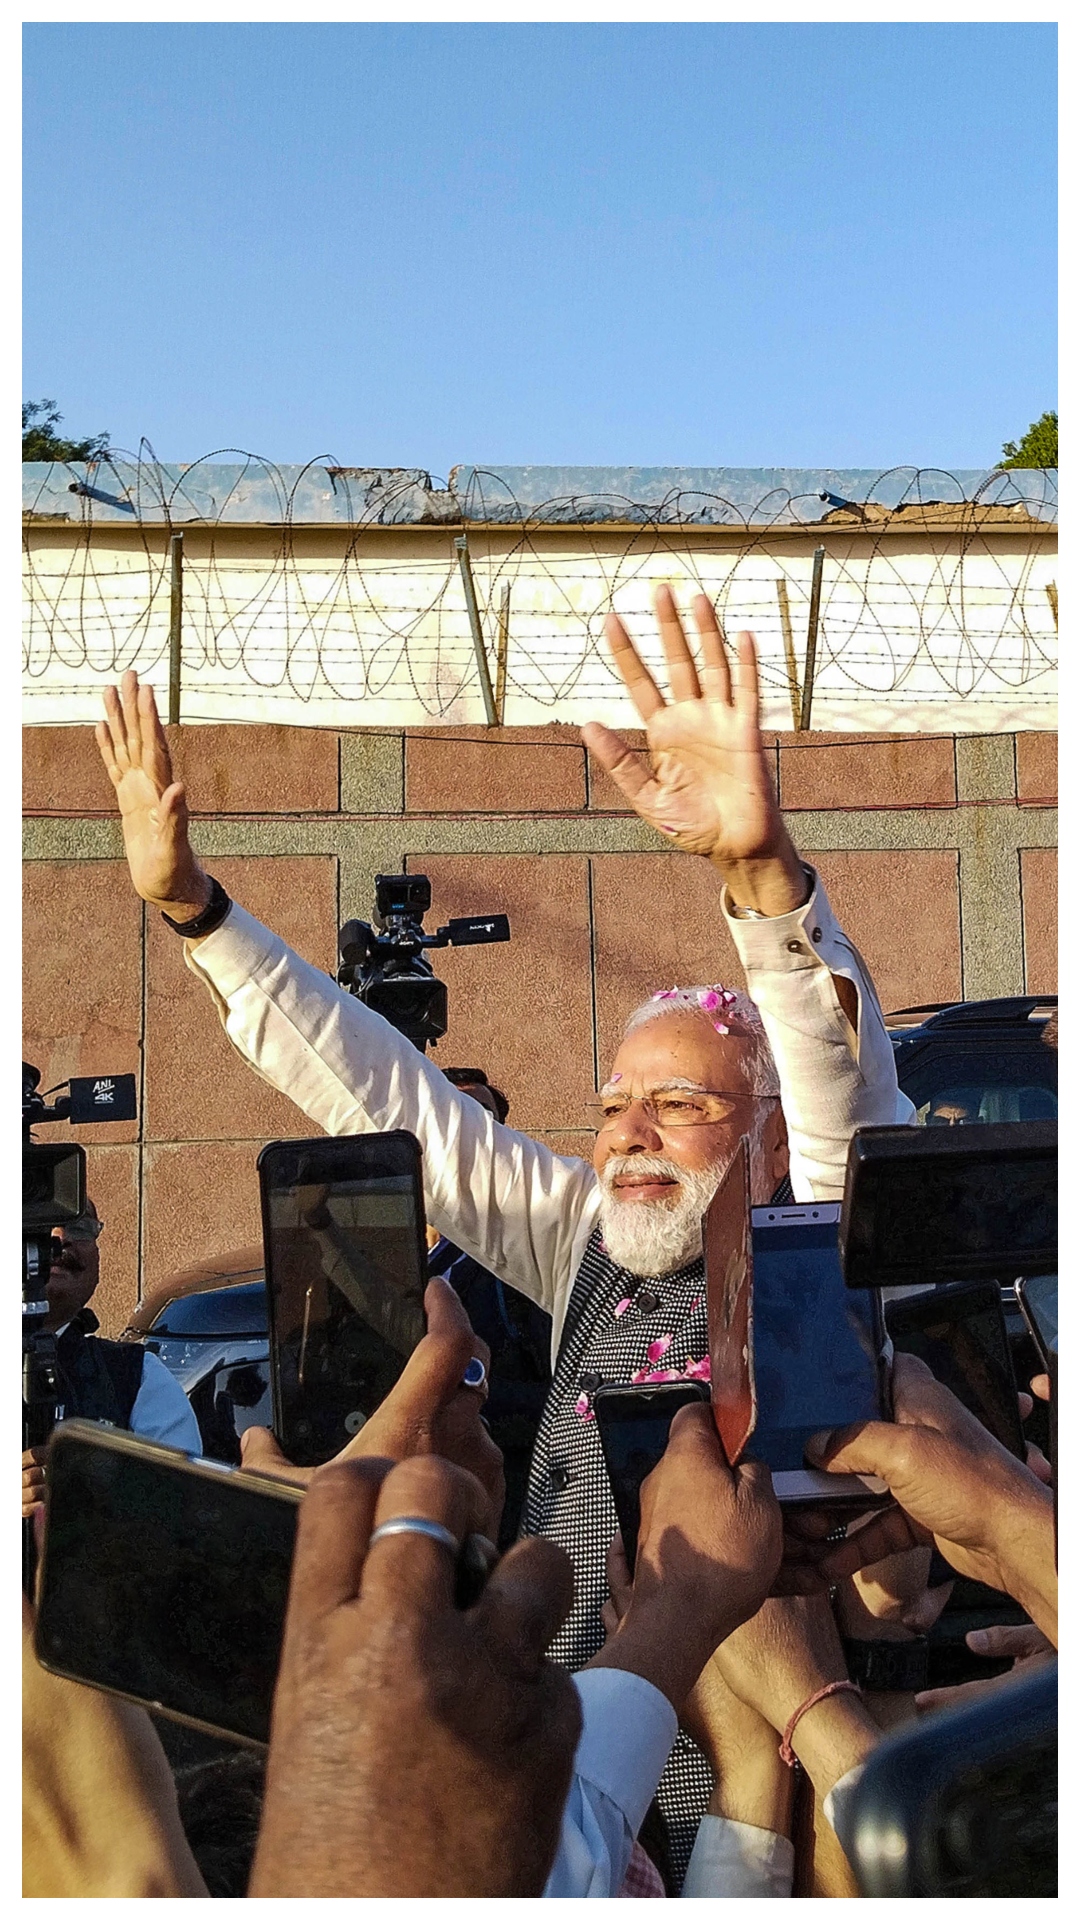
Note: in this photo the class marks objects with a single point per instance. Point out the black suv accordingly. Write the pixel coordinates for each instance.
(982, 1060)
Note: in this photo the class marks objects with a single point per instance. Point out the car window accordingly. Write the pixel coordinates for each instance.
(975, 1083)
(220, 1311)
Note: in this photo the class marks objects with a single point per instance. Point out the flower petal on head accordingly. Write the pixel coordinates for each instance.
(656, 1349)
(720, 1027)
(708, 999)
(667, 993)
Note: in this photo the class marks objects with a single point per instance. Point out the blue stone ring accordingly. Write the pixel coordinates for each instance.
(475, 1375)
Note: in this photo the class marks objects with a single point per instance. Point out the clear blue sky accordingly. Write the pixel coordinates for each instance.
(789, 245)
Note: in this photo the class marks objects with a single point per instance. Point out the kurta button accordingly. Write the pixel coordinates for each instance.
(560, 1478)
(795, 946)
(816, 935)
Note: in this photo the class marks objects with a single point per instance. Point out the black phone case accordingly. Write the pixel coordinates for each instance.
(218, 1479)
(395, 1152)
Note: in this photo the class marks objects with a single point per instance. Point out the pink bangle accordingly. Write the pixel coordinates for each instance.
(835, 1686)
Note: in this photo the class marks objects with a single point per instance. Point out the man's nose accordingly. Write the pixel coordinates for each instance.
(633, 1132)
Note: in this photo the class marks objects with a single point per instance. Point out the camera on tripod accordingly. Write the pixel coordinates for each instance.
(384, 964)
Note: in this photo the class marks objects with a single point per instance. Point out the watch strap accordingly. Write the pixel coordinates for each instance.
(211, 916)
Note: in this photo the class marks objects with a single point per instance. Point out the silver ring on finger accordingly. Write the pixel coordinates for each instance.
(415, 1523)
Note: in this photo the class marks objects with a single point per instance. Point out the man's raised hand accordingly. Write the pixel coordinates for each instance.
(710, 790)
(153, 806)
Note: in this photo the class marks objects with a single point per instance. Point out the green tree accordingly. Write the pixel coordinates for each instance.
(40, 440)
(1038, 448)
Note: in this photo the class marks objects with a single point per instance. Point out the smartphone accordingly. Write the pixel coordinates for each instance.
(1038, 1304)
(633, 1424)
(949, 1203)
(820, 1354)
(165, 1578)
(959, 1331)
(346, 1268)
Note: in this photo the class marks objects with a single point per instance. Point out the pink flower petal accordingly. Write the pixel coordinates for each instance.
(728, 997)
(708, 999)
(694, 1304)
(656, 1349)
(699, 1369)
(637, 1378)
(621, 1308)
(720, 1027)
(582, 1407)
(662, 1373)
(667, 993)
(615, 1078)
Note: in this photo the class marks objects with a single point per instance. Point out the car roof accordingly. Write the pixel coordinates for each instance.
(232, 1269)
(1015, 1010)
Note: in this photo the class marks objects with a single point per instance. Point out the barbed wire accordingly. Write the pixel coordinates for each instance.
(360, 616)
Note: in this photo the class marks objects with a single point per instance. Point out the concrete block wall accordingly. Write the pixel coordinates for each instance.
(938, 853)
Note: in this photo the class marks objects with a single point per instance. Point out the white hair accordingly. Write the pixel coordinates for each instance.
(727, 1010)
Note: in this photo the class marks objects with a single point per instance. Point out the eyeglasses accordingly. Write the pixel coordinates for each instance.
(671, 1108)
(86, 1227)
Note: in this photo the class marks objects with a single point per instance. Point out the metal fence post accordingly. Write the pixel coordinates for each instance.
(176, 623)
(501, 653)
(789, 649)
(811, 638)
(461, 548)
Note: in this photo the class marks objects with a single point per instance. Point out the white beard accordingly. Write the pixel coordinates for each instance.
(654, 1237)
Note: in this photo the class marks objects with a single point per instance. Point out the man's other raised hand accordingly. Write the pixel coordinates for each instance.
(710, 790)
(153, 806)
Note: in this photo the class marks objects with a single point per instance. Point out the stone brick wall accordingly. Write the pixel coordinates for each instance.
(937, 853)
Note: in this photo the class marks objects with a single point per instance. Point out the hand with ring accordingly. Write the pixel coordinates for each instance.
(435, 1407)
(416, 1749)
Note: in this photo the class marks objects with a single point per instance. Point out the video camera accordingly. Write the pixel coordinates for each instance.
(54, 1195)
(384, 964)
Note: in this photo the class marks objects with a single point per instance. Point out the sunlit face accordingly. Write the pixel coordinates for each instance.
(658, 1173)
(678, 1052)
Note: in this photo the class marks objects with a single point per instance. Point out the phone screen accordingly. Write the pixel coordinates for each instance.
(817, 1346)
(166, 1583)
(634, 1423)
(959, 1333)
(1039, 1297)
(345, 1277)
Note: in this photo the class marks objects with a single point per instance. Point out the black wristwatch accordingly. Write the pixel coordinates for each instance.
(888, 1666)
(211, 916)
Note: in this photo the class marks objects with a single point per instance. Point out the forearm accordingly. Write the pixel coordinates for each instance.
(833, 1055)
(832, 1738)
(659, 1648)
(501, 1196)
(1026, 1559)
(755, 1787)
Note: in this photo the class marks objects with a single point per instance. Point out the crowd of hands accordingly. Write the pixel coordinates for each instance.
(417, 1748)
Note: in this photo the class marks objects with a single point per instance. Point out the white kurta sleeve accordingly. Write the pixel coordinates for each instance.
(522, 1211)
(832, 1079)
(628, 1730)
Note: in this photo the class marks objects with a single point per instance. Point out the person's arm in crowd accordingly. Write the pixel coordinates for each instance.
(100, 1818)
(711, 792)
(162, 1410)
(779, 1660)
(1025, 1646)
(416, 1749)
(522, 1211)
(708, 1549)
(954, 1485)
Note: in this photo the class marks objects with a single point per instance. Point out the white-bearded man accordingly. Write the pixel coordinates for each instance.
(612, 1251)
